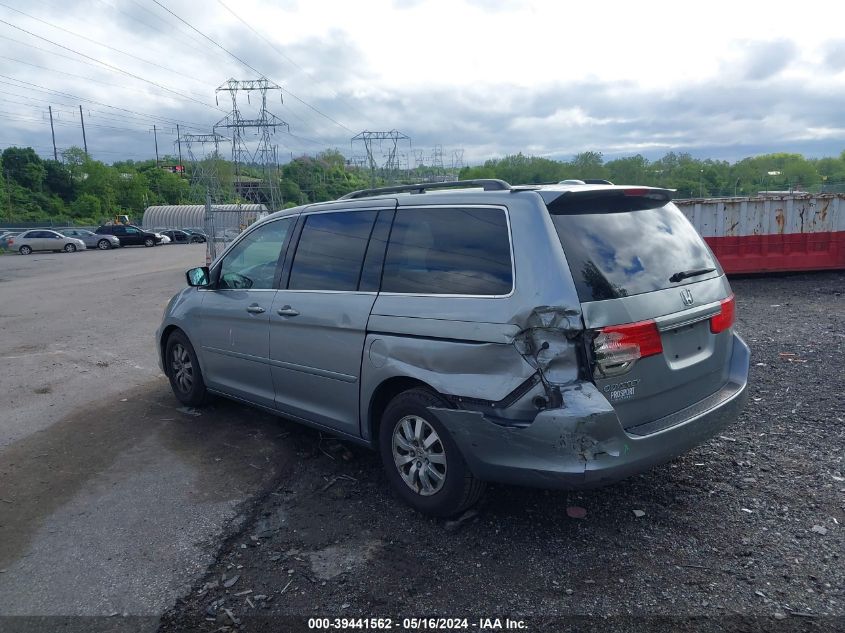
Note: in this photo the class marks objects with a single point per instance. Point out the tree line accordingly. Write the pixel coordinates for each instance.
(80, 190)
(690, 177)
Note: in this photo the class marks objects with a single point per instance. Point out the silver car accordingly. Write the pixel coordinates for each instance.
(91, 239)
(560, 336)
(44, 240)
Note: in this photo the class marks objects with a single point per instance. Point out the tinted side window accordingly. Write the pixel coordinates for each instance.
(331, 251)
(449, 251)
(251, 264)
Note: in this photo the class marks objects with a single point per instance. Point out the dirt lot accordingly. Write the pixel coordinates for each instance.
(745, 532)
(112, 499)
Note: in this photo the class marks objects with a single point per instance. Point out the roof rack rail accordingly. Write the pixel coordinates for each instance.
(596, 181)
(488, 184)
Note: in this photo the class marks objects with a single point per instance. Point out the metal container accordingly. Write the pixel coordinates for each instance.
(772, 232)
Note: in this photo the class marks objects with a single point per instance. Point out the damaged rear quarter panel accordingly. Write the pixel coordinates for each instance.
(552, 451)
(483, 347)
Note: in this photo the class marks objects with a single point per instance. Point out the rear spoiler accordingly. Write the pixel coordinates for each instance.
(614, 199)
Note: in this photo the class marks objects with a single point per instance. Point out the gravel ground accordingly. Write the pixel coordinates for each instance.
(742, 533)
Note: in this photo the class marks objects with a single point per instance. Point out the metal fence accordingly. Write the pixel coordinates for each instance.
(222, 225)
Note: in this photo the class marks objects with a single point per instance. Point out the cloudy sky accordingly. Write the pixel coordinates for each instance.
(491, 77)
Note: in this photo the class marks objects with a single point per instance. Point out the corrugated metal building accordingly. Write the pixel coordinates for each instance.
(177, 216)
(767, 233)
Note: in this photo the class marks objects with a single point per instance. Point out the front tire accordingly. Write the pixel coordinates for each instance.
(70, 248)
(149, 242)
(183, 370)
(421, 460)
(104, 245)
(25, 250)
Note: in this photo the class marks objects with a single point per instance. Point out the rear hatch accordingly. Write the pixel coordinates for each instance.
(656, 304)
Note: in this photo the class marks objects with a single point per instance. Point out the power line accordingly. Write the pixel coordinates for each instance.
(93, 41)
(156, 28)
(77, 98)
(107, 119)
(110, 66)
(30, 101)
(61, 72)
(288, 59)
(221, 47)
(252, 68)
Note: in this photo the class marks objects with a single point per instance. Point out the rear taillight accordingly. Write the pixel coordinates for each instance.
(618, 347)
(725, 319)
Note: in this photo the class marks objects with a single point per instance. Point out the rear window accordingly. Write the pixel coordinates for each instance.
(619, 254)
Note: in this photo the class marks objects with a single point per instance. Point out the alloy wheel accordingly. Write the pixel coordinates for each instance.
(181, 368)
(419, 455)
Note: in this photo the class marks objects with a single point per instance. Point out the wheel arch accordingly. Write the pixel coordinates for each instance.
(381, 397)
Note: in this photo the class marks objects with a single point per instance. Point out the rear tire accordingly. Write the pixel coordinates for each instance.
(104, 245)
(428, 472)
(183, 370)
(149, 242)
(25, 250)
(70, 248)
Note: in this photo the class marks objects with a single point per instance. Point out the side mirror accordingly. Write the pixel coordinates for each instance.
(198, 277)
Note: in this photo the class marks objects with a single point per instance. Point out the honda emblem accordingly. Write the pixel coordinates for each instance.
(686, 296)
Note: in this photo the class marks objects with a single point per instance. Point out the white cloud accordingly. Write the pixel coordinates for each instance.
(492, 76)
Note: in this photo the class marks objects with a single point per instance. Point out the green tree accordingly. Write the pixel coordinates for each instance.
(630, 170)
(24, 166)
(589, 165)
(86, 206)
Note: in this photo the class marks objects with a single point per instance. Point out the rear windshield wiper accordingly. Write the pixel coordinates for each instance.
(690, 273)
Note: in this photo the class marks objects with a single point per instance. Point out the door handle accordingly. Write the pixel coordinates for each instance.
(287, 311)
(255, 309)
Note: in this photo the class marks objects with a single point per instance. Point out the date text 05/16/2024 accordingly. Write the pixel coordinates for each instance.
(416, 624)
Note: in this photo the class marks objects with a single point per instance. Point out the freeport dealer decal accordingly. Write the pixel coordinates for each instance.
(622, 390)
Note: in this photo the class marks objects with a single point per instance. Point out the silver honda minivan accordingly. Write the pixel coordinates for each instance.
(559, 336)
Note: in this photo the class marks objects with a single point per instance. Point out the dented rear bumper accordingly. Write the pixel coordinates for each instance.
(582, 444)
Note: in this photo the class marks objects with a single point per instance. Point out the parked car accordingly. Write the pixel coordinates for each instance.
(5, 237)
(226, 235)
(197, 236)
(178, 236)
(44, 240)
(560, 336)
(130, 235)
(91, 239)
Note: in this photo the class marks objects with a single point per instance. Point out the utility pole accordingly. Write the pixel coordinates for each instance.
(8, 193)
(179, 144)
(84, 141)
(155, 136)
(53, 133)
